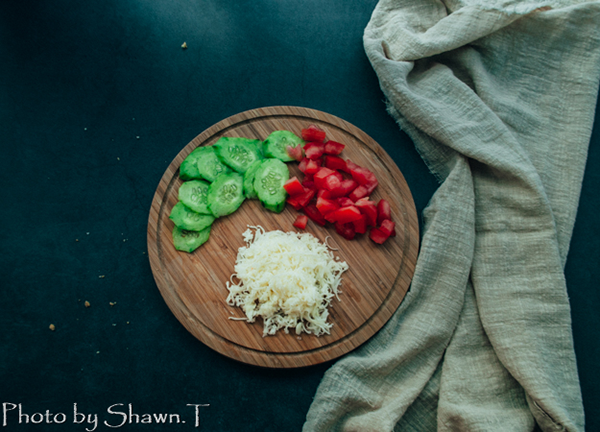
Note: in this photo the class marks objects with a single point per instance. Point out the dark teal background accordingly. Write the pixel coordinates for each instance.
(96, 99)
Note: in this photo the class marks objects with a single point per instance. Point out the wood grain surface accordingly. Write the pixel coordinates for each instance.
(193, 285)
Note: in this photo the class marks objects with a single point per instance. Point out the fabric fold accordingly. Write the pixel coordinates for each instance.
(499, 100)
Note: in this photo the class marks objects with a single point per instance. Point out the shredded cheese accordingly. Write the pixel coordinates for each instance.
(288, 279)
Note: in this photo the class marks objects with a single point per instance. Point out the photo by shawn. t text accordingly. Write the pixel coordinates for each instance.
(115, 416)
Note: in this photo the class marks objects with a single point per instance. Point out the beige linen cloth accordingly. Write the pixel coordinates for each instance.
(499, 99)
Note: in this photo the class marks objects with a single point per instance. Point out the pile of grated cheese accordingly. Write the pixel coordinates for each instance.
(288, 279)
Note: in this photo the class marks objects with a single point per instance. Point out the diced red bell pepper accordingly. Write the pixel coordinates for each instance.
(313, 133)
(302, 165)
(335, 163)
(341, 200)
(293, 201)
(388, 227)
(301, 221)
(364, 177)
(332, 182)
(383, 211)
(314, 214)
(304, 199)
(325, 205)
(293, 186)
(309, 184)
(320, 176)
(323, 193)
(358, 193)
(301, 200)
(346, 230)
(371, 187)
(312, 166)
(344, 214)
(378, 236)
(295, 152)
(333, 147)
(330, 217)
(344, 201)
(346, 187)
(369, 209)
(360, 225)
(350, 165)
(314, 150)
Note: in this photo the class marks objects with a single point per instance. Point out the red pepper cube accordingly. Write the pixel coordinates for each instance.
(313, 150)
(383, 211)
(388, 227)
(335, 163)
(369, 209)
(312, 166)
(350, 165)
(346, 187)
(326, 206)
(331, 216)
(302, 165)
(293, 201)
(345, 214)
(365, 178)
(377, 236)
(304, 198)
(314, 214)
(313, 133)
(301, 221)
(360, 225)
(295, 152)
(323, 193)
(332, 182)
(333, 147)
(346, 230)
(308, 183)
(320, 176)
(344, 201)
(358, 193)
(371, 187)
(300, 200)
(293, 186)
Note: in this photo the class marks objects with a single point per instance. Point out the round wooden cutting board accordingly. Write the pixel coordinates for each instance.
(193, 285)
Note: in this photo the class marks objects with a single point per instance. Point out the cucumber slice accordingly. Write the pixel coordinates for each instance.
(238, 153)
(187, 219)
(209, 166)
(275, 146)
(249, 191)
(188, 169)
(268, 184)
(194, 194)
(226, 194)
(189, 241)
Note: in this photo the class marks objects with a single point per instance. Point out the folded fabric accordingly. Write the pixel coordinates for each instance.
(499, 98)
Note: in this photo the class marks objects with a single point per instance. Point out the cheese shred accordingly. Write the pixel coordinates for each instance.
(287, 279)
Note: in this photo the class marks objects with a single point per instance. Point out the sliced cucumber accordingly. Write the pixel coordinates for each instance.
(275, 146)
(189, 241)
(188, 169)
(194, 194)
(268, 184)
(209, 165)
(187, 219)
(238, 153)
(249, 191)
(226, 194)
